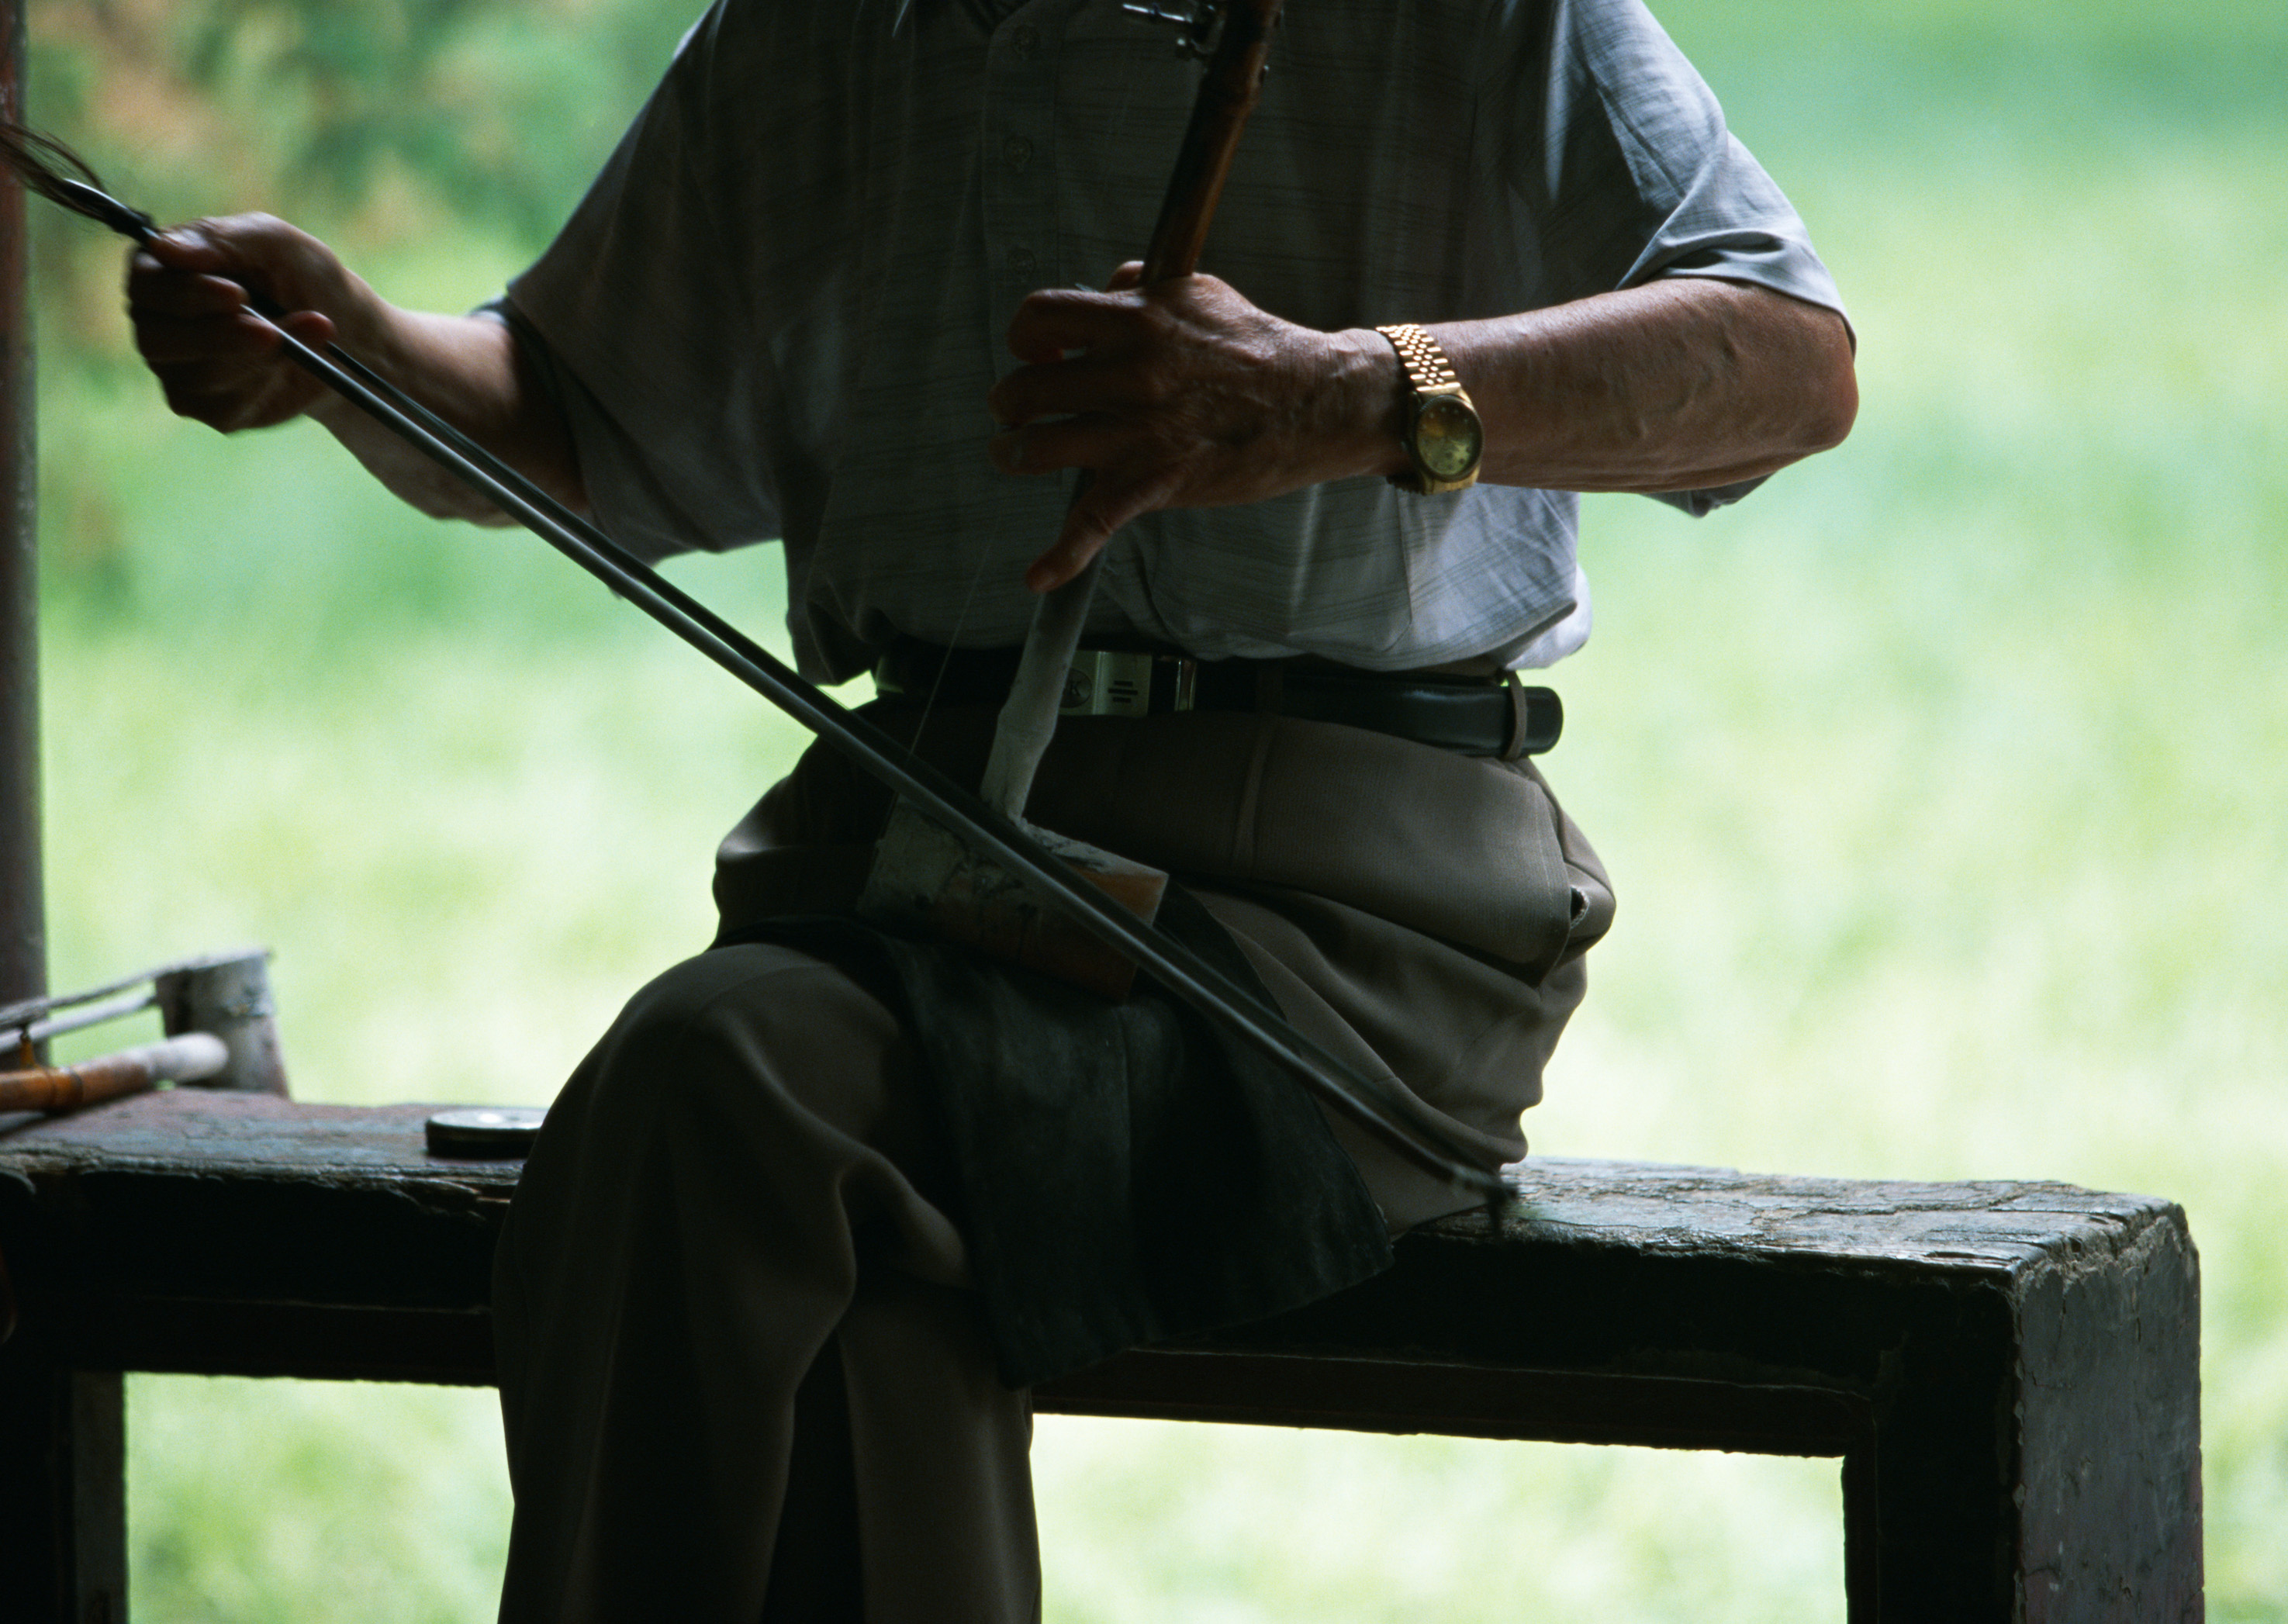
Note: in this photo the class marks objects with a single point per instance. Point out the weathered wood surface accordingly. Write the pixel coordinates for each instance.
(1935, 1230)
(2010, 1371)
(247, 1135)
(219, 1232)
(1715, 1211)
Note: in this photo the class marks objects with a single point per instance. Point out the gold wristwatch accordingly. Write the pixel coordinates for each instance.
(1442, 435)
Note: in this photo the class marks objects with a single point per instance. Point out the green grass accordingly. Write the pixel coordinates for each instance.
(1940, 781)
(251, 1501)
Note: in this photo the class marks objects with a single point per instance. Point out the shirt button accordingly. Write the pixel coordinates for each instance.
(1017, 151)
(1020, 258)
(1025, 40)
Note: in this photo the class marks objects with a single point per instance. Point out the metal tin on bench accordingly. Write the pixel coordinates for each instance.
(498, 1133)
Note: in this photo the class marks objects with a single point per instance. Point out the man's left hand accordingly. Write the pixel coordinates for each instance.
(1182, 395)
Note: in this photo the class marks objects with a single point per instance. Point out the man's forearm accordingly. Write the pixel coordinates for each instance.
(188, 292)
(1184, 394)
(469, 371)
(1680, 384)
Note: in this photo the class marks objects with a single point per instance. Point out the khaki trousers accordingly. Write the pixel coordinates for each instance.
(741, 1371)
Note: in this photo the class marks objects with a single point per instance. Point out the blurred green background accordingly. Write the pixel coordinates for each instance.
(1942, 782)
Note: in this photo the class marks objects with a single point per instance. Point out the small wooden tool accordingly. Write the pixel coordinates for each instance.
(186, 1058)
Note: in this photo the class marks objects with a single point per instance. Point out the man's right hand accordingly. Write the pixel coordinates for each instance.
(189, 295)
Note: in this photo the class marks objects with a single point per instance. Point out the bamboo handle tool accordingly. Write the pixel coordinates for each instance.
(185, 1058)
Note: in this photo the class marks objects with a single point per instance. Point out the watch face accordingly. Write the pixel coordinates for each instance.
(1448, 437)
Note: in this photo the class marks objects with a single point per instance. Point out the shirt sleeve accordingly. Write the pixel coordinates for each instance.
(634, 319)
(1617, 169)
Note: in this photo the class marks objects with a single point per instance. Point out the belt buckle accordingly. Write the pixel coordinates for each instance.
(1107, 682)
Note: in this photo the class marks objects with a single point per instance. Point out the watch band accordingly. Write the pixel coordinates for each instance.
(1426, 363)
(1434, 383)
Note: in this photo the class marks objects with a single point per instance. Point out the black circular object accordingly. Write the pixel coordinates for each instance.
(492, 1132)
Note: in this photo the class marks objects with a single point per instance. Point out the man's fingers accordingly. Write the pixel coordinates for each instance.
(313, 328)
(1092, 441)
(188, 248)
(159, 289)
(1063, 562)
(1083, 352)
(208, 316)
(207, 380)
(1092, 521)
(1058, 320)
(263, 256)
(234, 339)
(1086, 383)
(224, 369)
(1066, 558)
(193, 292)
(1128, 276)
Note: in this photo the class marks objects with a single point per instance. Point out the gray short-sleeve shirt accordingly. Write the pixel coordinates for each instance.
(778, 311)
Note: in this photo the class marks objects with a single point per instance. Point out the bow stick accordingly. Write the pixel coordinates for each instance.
(1378, 1104)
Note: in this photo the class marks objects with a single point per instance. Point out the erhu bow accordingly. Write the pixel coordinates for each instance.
(1380, 1105)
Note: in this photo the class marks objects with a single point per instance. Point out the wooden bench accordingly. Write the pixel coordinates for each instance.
(2008, 1372)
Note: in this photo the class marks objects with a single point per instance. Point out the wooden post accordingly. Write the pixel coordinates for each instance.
(63, 1500)
(23, 947)
(63, 1544)
(2036, 1455)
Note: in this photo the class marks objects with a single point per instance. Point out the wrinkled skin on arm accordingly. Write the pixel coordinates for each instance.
(1184, 394)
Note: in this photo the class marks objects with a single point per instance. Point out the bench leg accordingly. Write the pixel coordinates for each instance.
(63, 1492)
(1863, 1566)
(2038, 1460)
(1929, 1525)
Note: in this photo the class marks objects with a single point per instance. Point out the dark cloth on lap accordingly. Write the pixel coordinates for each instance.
(1128, 1172)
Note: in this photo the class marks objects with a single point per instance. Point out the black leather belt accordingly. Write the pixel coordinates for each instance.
(1471, 716)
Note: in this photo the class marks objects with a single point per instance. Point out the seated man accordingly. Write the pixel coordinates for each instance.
(757, 1342)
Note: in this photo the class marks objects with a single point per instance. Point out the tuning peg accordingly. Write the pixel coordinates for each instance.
(1196, 22)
